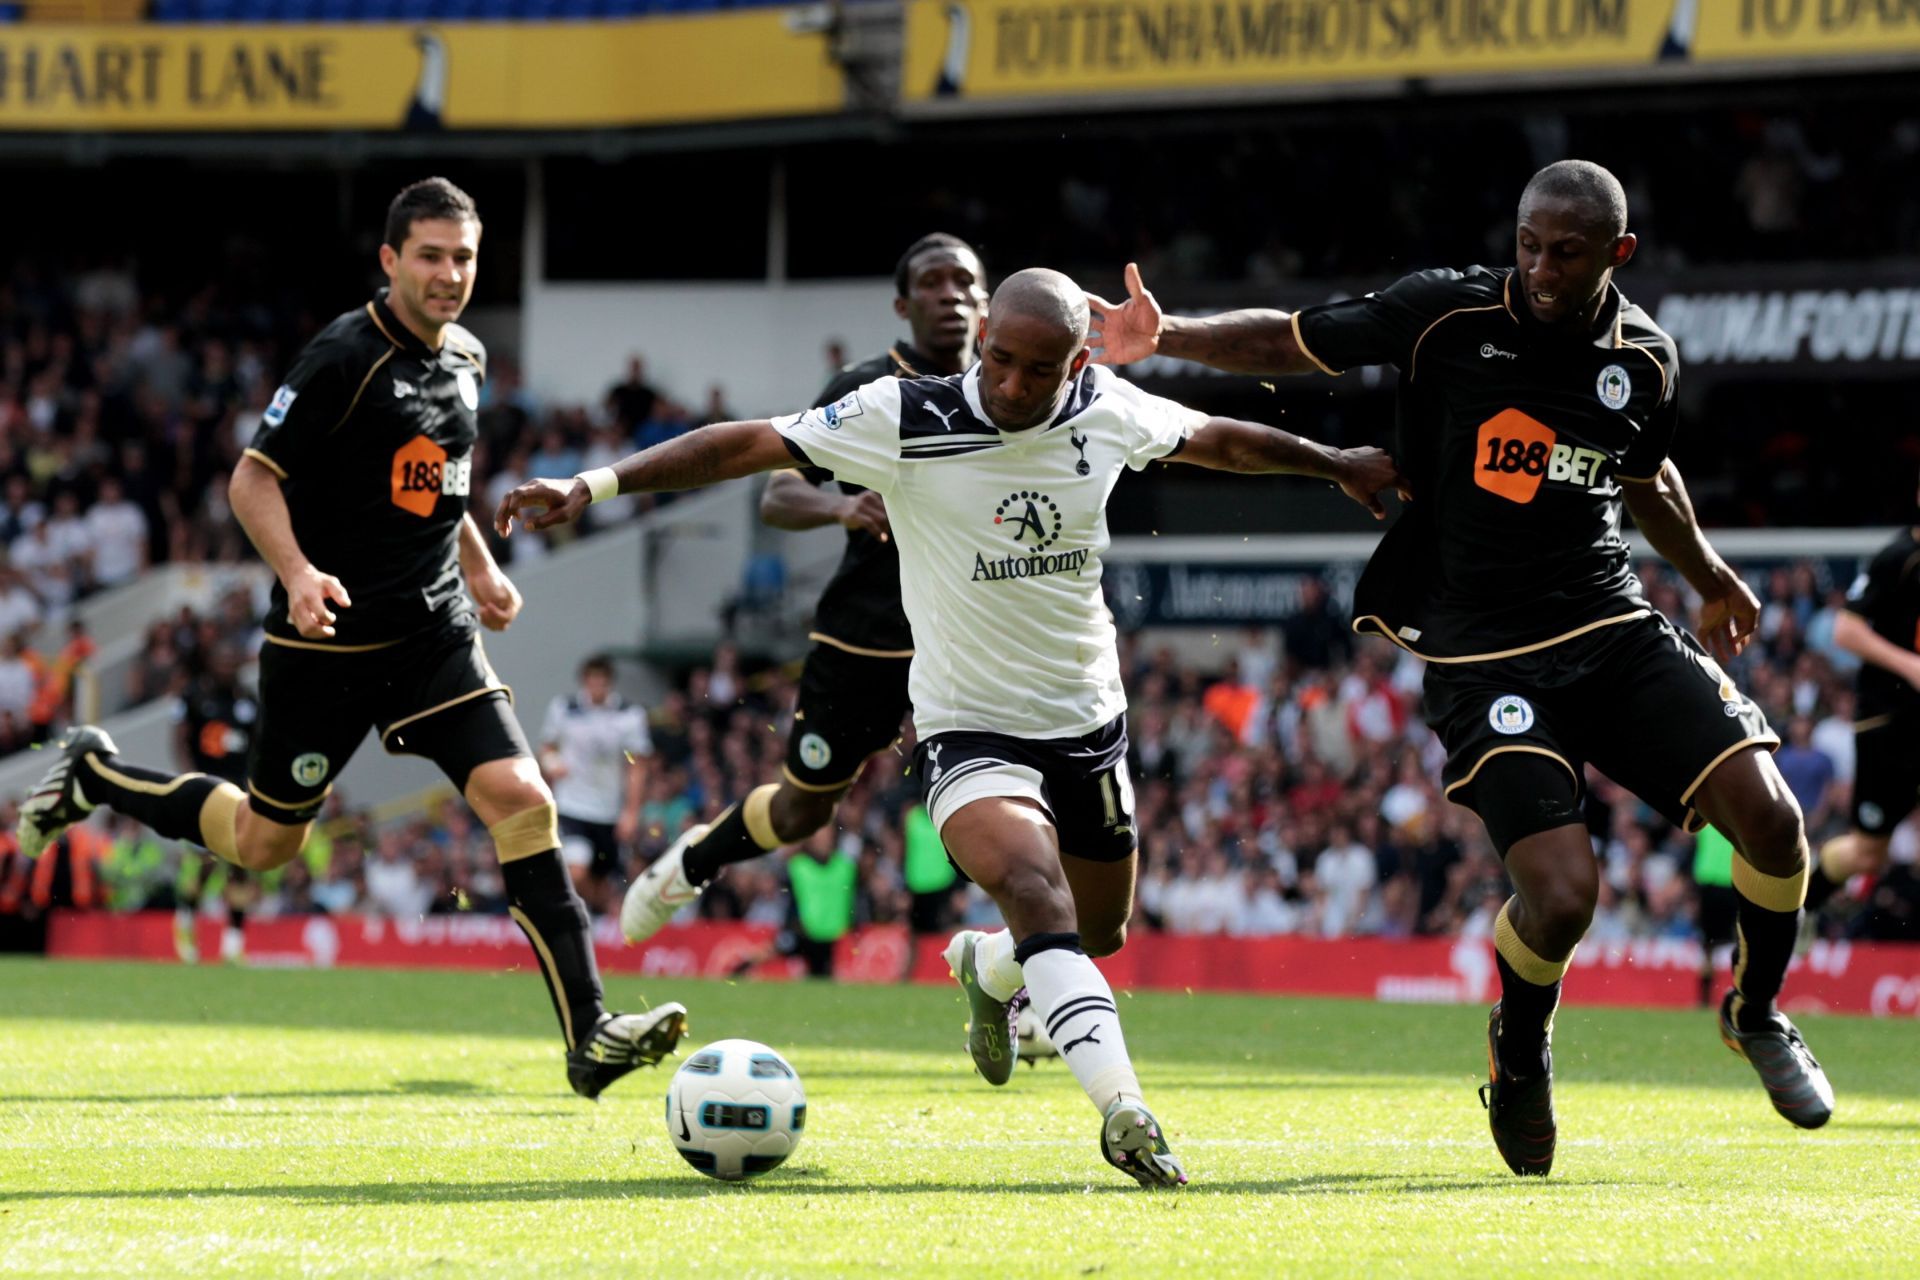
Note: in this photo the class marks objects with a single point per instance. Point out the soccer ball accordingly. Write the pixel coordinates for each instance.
(735, 1110)
(1031, 1035)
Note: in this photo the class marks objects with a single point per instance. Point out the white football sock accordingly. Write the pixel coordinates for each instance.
(1076, 1007)
(993, 961)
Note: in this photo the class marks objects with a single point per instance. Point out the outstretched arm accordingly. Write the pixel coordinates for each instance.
(707, 455)
(1729, 610)
(1226, 444)
(1251, 341)
(1857, 636)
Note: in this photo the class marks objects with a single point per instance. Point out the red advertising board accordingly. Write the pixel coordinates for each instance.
(1833, 977)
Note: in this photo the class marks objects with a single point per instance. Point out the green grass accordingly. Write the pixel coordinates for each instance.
(209, 1122)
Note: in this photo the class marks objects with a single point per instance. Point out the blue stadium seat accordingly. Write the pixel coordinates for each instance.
(456, 10)
(9, 13)
(496, 10)
(214, 10)
(574, 9)
(335, 11)
(299, 10)
(171, 11)
(416, 10)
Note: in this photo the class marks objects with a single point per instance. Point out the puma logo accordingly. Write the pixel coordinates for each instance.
(946, 418)
(1071, 1045)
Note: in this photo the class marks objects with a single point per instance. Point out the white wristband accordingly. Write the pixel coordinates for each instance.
(601, 483)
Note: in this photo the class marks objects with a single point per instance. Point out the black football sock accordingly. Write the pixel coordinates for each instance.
(185, 806)
(1529, 994)
(1767, 925)
(742, 833)
(542, 901)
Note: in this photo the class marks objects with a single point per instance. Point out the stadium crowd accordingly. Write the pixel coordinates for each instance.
(1288, 787)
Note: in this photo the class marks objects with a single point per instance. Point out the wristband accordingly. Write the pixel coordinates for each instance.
(601, 484)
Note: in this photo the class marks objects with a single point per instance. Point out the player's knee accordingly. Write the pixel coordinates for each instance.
(1031, 886)
(264, 845)
(797, 814)
(1104, 943)
(501, 788)
(1772, 837)
(1869, 855)
(1561, 913)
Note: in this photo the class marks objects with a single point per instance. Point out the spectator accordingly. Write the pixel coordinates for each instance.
(631, 401)
(19, 608)
(1808, 772)
(118, 532)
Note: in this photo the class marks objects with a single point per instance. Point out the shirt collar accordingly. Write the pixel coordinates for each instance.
(1069, 399)
(396, 333)
(914, 362)
(1606, 326)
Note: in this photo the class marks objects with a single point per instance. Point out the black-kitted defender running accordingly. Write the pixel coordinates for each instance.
(1880, 626)
(362, 462)
(853, 688)
(1533, 402)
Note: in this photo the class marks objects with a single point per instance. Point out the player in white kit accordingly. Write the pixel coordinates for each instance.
(996, 483)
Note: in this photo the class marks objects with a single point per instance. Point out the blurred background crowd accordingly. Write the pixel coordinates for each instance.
(1288, 787)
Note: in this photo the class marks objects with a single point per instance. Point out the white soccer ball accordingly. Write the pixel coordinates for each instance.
(1031, 1034)
(736, 1109)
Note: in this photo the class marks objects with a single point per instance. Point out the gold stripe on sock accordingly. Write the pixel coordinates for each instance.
(548, 970)
(1775, 893)
(524, 834)
(1739, 968)
(118, 779)
(757, 813)
(1521, 958)
(219, 822)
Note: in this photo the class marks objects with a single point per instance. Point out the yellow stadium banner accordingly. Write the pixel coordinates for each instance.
(413, 77)
(1007, 51)
(1772, 29)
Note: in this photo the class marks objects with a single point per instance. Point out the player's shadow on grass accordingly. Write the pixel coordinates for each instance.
(398, 1089)
(799, 1182)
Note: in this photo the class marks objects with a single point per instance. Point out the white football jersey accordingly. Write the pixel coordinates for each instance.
(1001, 535)
(595, 742)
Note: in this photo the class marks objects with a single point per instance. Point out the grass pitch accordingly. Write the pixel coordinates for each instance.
(215, 1122)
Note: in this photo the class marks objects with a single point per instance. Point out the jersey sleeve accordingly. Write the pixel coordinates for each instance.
(1648, 452)
(840, 384)
(1874, 590)
(316, 395)
(1384, 326)
(1155, 427)
(855, 438)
